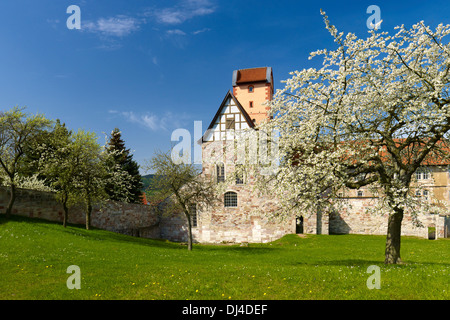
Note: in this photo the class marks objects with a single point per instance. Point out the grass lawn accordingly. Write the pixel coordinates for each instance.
(35, 255)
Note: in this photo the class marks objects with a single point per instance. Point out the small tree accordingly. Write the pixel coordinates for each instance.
(57, 163)
(178, 188)
(91, 172)
(16, 129)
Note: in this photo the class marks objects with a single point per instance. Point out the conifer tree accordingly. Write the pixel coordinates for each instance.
(124, 161)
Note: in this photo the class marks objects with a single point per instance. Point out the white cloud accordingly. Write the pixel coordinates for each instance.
(201, 31)
(176, 32)
(185, 10)
(118, 26)
(152, 121)
(147, 120)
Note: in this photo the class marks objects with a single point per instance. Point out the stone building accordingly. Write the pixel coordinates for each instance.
(240, 217)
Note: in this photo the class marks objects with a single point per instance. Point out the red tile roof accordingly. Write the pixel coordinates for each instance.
(144, 198)
(251, 75)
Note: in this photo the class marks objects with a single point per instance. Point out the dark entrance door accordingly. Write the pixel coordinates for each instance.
(299, 225)
(447, 227)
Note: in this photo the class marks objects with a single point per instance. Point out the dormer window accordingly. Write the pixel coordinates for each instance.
(251, 89)
(422, 174)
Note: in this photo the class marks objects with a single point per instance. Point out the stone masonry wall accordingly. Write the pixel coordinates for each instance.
(127, 218)
(248, 221)
(356, 220)
(219, 224)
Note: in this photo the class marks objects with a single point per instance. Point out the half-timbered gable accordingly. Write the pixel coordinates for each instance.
(230, 117)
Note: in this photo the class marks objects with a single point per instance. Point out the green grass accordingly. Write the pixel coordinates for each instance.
(35, 254)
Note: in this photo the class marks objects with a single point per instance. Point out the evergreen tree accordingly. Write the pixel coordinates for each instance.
(124, 161)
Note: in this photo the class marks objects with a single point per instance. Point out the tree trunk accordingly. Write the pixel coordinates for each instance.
(12, 199)
(189, 232)
(66, 213)
(392, 253)
(88, 215)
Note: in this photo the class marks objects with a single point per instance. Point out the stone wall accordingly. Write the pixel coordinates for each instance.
(223, 226)
(127, 218)
(355, 220)
(220, 224)
(247, 222)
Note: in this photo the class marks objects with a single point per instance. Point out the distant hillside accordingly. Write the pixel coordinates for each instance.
(146, 180)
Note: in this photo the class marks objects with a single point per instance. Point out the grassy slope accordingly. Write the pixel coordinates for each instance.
(34, 256)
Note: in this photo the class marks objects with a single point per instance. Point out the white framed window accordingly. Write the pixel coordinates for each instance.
(422, 174)
(230, 199)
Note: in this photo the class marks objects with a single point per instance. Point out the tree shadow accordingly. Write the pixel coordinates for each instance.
(362, 262)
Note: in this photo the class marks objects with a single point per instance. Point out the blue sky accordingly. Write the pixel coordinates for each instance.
(149, 67)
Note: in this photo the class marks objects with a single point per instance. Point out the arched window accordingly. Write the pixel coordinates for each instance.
(230, 199)
(251, 89)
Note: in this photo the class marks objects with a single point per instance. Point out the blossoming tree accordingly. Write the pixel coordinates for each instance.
(376, 111)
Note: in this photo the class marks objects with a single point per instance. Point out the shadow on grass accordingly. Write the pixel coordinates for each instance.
(366, 263)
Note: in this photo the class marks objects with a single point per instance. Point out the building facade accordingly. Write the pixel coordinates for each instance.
(242, 215)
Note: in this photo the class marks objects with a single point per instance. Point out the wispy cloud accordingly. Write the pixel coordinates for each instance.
(201, 31)
(113, 29)
(118, 26)
(185, 10)
(152, 121)
(176, 32)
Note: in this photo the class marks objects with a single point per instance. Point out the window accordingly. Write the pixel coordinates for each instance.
(422, 174)
(193, 213)
(360, 193)
(239, 174)
(251, 104)
(220, 170)
(424, 193)
(229, 124)
(230, 199)
(251, 89)
(418, 175)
